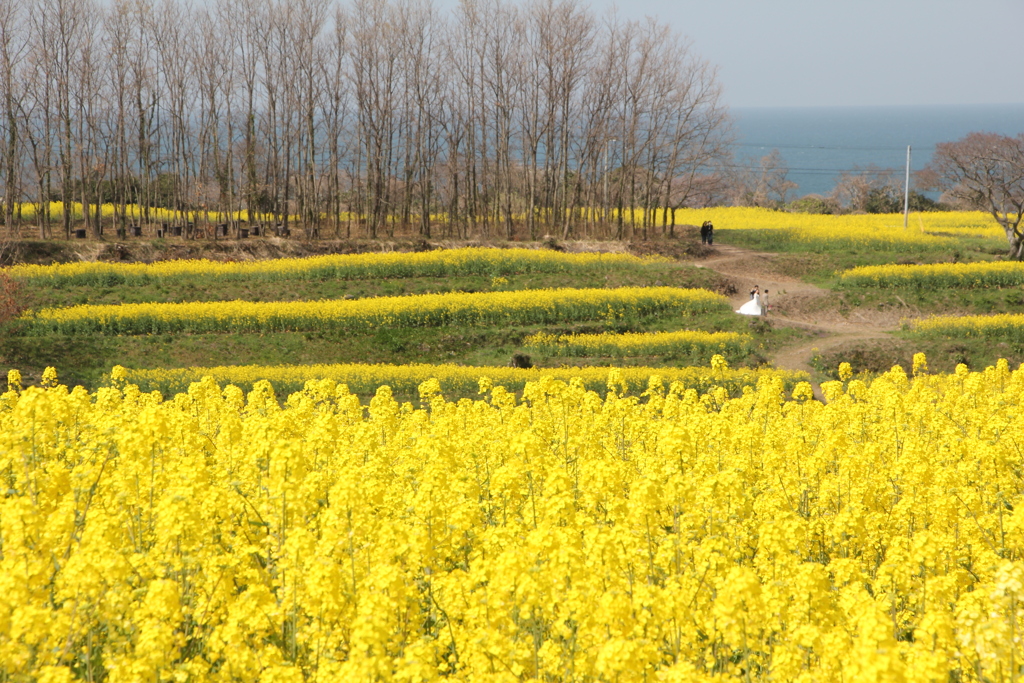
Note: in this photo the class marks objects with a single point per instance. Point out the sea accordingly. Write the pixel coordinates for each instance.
(819, 143)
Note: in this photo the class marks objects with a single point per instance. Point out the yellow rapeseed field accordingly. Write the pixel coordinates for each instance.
(937, 275)
(1006, 326)
(487, 308)
(683, 342)
(731, 217)
(29, 211)
(809, 227)
(820, 232)
(568, 535)
(454, 380)
(439, 263)
(740, 218)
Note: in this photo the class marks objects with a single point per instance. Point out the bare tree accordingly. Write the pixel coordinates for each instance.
(423, 112)
(38, 120)
(466, 142)
(212, 68)
(986, 171)
(90, 117)
(763, 183)
(774, 184)
(117, 38)
(699, 135)
(501, 74)
(388, 111)
(375, 65)
(854, 188)
(176, 63)
(334, 95)
(566, 38)
(144, 100)
(13, 47)
(61, 36)
(305, 48)
(247, 16)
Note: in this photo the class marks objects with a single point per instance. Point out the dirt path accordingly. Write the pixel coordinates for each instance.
(794, 303)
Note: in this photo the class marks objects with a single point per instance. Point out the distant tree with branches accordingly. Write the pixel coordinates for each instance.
(984, 171)
(492, 119)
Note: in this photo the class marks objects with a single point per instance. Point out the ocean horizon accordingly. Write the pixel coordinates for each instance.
(819, 143)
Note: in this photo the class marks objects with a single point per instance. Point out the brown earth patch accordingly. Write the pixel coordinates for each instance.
(831, 330)
(864, 355)
(682, 249)
(143, 251)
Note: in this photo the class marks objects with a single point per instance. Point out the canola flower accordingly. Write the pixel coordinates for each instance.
(439, 263)
(28, 211)
(944, 223)
(889, 226)
(937, 276)
(454, 380)
(689, 343)
(568, 535)
(1004, 326)
(425, 310)
(781, 230)
(728, 217)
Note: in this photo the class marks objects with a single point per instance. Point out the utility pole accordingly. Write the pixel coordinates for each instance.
(906, 192)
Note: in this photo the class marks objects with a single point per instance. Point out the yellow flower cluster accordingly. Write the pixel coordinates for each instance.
(454, 380)
(440, 263)
(731, 217)
(565, 536)
(1005, 326)
(426, 310)
(937, 275)
(782, 230)
(29, 210)
(885, 226)
(691, 343)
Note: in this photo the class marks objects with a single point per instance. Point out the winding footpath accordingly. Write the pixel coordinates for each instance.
(794, 303)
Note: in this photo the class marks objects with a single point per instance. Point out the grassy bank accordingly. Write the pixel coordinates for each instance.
(84, 358)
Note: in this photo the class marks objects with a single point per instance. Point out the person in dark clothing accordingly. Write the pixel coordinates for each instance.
(711, 233)
(704, 232)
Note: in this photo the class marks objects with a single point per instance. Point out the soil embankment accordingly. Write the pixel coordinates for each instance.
(45, 252)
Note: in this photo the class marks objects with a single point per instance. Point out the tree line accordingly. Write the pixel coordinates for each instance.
(353, 120)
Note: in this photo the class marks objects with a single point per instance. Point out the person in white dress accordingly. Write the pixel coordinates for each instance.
(752, 307)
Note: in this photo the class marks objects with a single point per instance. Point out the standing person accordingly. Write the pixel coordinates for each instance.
(711, 233)
(764, 303)
(752, 307)
(704, 232)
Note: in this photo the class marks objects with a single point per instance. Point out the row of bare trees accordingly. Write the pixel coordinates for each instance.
(353, 119)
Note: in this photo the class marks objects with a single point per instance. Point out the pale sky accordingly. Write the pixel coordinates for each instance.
(801, 53)
(805, 53)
